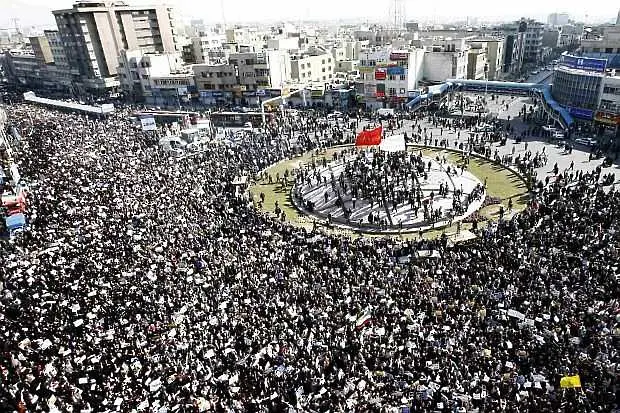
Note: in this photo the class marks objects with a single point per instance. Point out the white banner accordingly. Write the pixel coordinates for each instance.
(148, 123)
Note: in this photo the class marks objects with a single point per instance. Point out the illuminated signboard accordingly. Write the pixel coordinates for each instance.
(584, 63)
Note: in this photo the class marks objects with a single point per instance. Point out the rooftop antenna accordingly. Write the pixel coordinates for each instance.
(223, 14)
(399, 13)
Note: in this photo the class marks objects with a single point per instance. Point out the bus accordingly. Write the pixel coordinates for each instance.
(239, 119)
(163, 117)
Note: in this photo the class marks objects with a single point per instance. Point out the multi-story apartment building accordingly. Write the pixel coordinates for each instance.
(533, 41)
(477, 66)
(246, 75)
(93, 34)
(493, 48)
(261, 70)
(41, 49)
(22, 67)
(514, 47)
(388, 77)
(446, 59)
(318, 66)
(570, 36)
(208, 48)
(283, 43)
(246, 36)
(588, 90)
(215, 83)
(557, 19)
(602, 43)
(157, 79)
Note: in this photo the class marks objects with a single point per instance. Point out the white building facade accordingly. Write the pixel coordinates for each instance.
(389, 77)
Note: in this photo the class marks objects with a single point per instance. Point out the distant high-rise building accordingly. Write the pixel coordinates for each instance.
(618, 18)
(94, 32)
(557, 19)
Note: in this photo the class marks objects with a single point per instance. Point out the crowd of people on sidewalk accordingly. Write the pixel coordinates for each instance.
(144, 284)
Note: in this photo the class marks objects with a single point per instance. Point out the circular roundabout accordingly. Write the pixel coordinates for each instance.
(375, 191)
(372, 192)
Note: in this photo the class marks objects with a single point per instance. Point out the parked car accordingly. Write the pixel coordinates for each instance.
(589, 142)
(484, 128)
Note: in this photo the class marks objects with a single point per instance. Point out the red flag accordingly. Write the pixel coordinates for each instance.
(369, 137)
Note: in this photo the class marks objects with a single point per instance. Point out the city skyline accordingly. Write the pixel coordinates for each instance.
(38, 12)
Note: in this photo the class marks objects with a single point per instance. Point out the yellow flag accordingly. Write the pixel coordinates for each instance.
(569, 382)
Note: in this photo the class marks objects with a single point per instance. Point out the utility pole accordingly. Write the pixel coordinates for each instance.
(399, 13)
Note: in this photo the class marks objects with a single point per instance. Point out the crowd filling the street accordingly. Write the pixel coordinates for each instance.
(146, 282)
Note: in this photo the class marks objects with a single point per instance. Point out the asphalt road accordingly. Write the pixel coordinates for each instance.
(544, 76)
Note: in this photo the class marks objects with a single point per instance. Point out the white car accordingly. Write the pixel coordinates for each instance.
(589, 142)
(483, 128)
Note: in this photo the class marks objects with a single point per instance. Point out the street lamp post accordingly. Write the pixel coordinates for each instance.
(486, 78)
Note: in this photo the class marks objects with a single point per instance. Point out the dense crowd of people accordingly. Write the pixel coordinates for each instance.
(143, 284)
(357, 178)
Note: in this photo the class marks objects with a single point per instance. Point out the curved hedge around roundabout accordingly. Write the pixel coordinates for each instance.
(503, 185)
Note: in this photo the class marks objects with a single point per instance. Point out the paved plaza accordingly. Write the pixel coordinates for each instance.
(327, 199)
(556, 153)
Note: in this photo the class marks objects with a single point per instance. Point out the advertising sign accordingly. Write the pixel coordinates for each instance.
(584, 63)
(206, 94)
(581, 113)
(217, 94)
(607, 118)
(380, 74)
(148, 123)
(395, 70)
(366, 69)
(399, 56)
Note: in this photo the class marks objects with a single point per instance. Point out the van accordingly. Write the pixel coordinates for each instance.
(385, 113)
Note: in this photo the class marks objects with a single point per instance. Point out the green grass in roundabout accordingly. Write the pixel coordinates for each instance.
(501, 183)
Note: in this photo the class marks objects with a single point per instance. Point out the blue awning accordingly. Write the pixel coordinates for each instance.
(15, 221)
(551, 102)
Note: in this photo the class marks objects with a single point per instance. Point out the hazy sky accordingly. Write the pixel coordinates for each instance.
(37, 12)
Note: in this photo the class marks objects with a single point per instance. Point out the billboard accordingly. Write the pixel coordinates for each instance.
(380, 74)
(584, 63)
(366, 69)
(395, 70)
(607, 118)
(580, 113)
(148, 123)
(399, 56)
